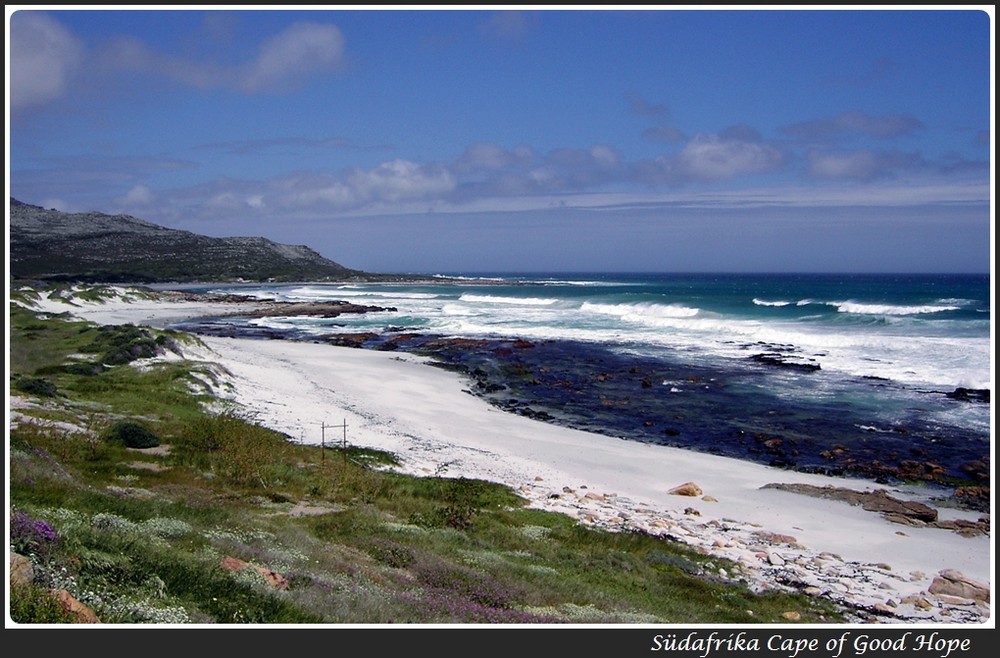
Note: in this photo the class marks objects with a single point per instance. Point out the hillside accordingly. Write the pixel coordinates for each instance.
(53, 245)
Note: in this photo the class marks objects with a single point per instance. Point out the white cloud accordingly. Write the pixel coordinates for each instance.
(401, 179)
(139, 195)
(859, 165)
(709, 157)
(489, 156)
(299, 50)
(283, 61)
(390, 182)
(58, 204)
(605, 156)
(334, 193)
(867, 165)
(233, 200)
(43, 57)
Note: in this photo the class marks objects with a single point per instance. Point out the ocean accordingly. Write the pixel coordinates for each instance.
(884, 375)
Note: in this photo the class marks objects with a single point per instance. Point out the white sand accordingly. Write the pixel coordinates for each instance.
(395, 402)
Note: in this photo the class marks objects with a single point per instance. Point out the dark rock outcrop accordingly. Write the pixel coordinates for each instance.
(893, 509)
(315, 309)
(970, 394)
(785, 361)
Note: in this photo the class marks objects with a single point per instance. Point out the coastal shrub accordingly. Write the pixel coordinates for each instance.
(459, 510)
(36, 386)
(119, 344)
(462, 500)
(252, 457)
(83, 368)
(131, 435)
(209, 433)
(241, 452)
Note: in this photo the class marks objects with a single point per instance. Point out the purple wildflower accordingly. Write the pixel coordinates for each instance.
(29, 535)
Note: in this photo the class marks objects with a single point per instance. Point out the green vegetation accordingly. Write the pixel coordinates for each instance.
(141, 495)
(131, 435)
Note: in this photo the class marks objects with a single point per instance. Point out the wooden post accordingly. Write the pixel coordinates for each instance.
(322, 449)
(345, 442)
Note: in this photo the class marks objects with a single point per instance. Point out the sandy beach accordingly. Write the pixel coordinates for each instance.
(398, 403)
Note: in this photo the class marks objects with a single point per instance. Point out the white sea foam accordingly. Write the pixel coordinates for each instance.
(641, 311)
(582, 283)
(457, 309)
(516, 301)
(761, 302)
(473, 279)
(889, 309)
(384, 295)
(924, 360)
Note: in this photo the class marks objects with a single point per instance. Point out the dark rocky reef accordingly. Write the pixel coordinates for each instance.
(782, 356)
(315, 309)
(970, 394)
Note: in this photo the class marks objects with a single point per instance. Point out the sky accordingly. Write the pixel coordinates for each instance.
(443, 140)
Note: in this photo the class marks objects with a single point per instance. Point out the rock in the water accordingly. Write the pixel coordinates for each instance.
(970, 394)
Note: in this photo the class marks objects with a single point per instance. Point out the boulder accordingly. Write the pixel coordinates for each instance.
(776, 538)
(81, 613)
(954, 583)
(686, 489)
(21, 570)
(273, 578)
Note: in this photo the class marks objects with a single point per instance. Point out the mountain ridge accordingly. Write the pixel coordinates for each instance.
(49, 244)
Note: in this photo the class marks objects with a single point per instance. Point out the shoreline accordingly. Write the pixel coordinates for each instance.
(427, 417)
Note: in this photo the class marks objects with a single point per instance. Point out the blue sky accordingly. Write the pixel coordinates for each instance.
(474, 140)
